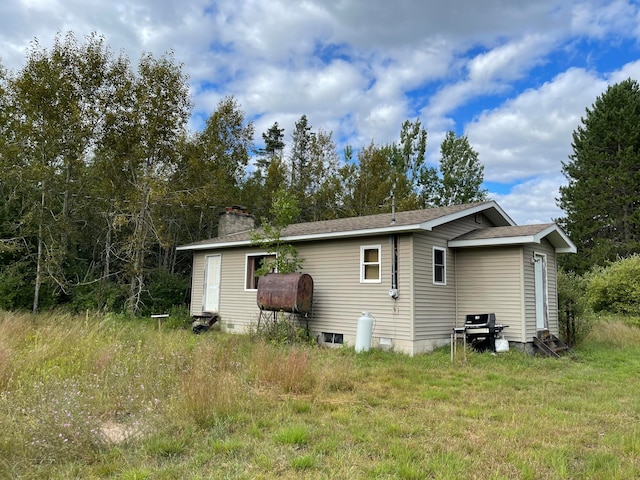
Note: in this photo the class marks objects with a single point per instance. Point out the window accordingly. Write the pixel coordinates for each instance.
(370, 264)
(335, 338)
(439, 266)
(254, 262)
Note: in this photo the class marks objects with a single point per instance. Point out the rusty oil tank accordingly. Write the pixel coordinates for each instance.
(287, 292)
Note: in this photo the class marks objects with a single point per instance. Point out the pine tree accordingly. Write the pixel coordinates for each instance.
(602, 198)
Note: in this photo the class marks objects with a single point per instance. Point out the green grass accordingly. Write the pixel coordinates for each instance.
(107, 397)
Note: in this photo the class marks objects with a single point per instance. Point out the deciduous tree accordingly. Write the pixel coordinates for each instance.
(461, 172)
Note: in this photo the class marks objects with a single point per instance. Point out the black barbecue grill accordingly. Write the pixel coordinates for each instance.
(481, 331)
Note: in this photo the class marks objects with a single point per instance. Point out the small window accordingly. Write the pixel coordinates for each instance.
(335, 338)
(370, 264)
(439, 266)
(254, 263)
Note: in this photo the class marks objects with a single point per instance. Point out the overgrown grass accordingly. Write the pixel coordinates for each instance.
(109, 397)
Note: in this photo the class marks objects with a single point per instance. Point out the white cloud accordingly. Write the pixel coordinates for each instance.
(531, 134)
(600, 19)
(360, 68)
(533, 201)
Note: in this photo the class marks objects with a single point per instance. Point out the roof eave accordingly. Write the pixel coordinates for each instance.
(480, 208)
(557, 238)
(490, 242)
(303, 238)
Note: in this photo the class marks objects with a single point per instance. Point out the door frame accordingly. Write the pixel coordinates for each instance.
(211, 289)
(541, 290)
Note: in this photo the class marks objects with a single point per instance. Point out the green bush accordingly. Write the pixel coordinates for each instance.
(574, 324)
(16, 291)
(106, 296)
(282, 328)
(164, 290)
(615, 288)
(17, 288)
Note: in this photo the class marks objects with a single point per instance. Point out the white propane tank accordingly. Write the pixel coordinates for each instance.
(364, 333)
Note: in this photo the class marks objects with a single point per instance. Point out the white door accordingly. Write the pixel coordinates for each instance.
(540, 269)
(211, 300)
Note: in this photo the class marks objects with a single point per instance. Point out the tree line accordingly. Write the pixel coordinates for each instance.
(101, 178)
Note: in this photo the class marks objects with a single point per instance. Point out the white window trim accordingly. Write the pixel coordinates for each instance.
(444, 265)
(362, 263)
(246, 266)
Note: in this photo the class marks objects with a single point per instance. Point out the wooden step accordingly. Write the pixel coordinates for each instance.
(550, 344)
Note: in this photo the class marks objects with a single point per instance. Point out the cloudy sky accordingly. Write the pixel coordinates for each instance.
(515, 76)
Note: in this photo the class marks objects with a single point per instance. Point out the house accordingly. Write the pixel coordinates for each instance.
(419, 273)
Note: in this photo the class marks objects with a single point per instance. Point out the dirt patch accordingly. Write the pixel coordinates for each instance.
(115, 432)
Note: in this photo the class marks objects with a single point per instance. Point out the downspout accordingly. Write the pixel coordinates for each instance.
(394, 262)
(455, 284)
(393, 293)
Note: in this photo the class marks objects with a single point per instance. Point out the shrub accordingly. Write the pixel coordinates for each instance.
(574, 325)
(164, 290)
(616, 288)
(16, 289)
(104, 295)
(282, 328)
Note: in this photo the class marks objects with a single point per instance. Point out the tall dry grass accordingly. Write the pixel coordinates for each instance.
(285, 369)
(110, 397)
(615, 333)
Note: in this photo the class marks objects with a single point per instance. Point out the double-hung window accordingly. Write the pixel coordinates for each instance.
(439, 266)
(370, 265)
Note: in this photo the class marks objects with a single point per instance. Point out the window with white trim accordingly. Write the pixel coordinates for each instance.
(253, 264)
(370, 265)
(439, 266)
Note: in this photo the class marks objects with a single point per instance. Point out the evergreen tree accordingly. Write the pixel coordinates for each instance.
(602, 198)
(299, 159)
(269, 175)
(273, 147)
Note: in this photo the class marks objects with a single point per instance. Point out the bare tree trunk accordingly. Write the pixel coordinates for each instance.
(38, 282)
(107, 252)
(138, 255)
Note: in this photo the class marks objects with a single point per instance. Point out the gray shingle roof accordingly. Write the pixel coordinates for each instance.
(404, 221)
(505, 232)
(516, 235)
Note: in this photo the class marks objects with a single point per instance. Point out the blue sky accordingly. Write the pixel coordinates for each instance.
(515, 76)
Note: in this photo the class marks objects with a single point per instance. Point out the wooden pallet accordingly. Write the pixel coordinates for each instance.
(549, 344)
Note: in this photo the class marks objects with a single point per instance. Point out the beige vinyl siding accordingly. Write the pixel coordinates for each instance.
(460, 227)
(490, 280)
(339, 297)
(197, 283)
(529, 288)
(238, 308)
(434, 306)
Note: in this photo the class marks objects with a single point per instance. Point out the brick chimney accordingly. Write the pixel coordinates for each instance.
(233, 220)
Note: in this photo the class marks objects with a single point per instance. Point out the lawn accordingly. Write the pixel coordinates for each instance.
(109, 397)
